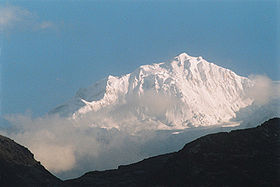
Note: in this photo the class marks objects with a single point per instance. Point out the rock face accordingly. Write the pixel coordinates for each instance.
(19, 168)
(177, 94)
(249, 157)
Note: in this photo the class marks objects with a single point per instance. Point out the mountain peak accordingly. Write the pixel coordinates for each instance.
(184, 56)
(178, 94)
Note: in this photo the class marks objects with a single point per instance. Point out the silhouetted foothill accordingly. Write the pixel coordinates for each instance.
(248, 157)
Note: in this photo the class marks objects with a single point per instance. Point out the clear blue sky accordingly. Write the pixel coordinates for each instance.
(50, 49)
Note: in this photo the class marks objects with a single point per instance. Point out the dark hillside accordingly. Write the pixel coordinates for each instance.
(248, 157)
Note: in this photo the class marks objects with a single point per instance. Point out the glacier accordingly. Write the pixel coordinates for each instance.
(181, 93)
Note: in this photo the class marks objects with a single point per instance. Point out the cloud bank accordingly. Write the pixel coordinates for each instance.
(99, 140)
(63, 144)
(69, 147)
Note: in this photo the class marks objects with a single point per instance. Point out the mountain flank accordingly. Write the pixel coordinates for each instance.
(177, 94)
(19, 168)
(248, 157)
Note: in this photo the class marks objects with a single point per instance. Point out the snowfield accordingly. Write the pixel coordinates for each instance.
(185, 92)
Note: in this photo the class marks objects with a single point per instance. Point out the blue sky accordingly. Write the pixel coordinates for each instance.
(49, 49)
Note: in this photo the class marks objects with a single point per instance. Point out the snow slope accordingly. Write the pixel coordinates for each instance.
(185, 92)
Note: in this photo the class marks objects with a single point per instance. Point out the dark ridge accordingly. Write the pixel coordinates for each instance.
(248, 157)
(19, 168)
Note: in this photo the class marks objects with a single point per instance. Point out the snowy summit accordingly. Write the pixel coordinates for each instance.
(184, 92)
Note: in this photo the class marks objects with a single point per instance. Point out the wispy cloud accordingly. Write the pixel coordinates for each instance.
(10, 15)
(13, 17)
(46, 24)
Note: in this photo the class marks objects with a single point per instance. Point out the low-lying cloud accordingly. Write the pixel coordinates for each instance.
(65, 145)
(264, 89)
(97, 140)
(266, 102)
(69, 148)
(118, 135)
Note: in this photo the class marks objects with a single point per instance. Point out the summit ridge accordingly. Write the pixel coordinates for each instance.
(184, 92)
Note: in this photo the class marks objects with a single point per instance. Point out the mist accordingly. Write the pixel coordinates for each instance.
(69, 148)
(104, 139)
(113, 136)
(264, 89)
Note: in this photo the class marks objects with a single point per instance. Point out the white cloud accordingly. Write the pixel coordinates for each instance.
(51, 155)
(69, 147)
(13, 17)
(264, 89)
(266, 105)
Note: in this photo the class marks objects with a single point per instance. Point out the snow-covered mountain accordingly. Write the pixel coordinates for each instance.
(187, 91)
